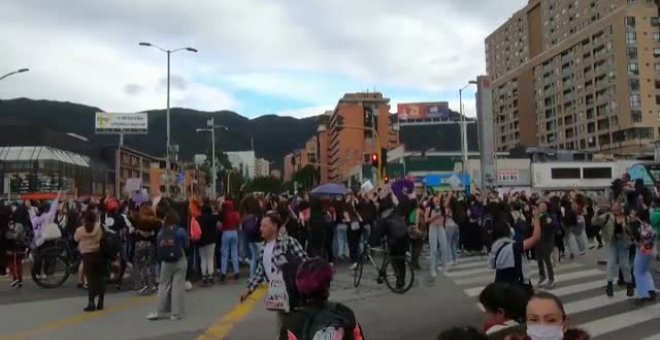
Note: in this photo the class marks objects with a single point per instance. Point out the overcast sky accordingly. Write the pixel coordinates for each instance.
(288, 57)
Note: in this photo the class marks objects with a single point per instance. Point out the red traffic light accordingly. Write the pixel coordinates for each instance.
(374, 157)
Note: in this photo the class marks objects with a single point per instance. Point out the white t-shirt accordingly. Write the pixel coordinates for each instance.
(268, 259)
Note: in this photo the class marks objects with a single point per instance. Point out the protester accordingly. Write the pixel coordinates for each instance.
(505, 306)
(146, 227)
(616, 235)
(278, 264)
(209, 226)
(545, 246)
(547, 320)
(229, 247)
(89, 237)
(172, 241)
(644, 236)
(318, 318)
(15, 242)
(437, 236)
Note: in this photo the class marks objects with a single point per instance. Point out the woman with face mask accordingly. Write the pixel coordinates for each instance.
(546, 319)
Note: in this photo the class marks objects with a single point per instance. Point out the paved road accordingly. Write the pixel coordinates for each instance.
(57, 314)
(581, 286)
(213, 312)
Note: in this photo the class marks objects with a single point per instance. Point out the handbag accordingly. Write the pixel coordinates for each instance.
(50, 231)
(195, 230)
(277, 298)
(355, 226)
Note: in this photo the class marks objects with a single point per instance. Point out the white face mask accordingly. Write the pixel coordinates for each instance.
(545, 332)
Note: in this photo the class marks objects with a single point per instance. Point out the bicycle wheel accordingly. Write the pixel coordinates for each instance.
(50, 271)
(357, 275)
(391, 278)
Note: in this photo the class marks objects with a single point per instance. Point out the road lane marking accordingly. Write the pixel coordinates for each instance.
(489, 276)
(79, 318)
(472, 292)
(223, 326)
(617, 321)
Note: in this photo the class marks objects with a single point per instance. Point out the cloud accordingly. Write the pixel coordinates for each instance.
(311, 51)
(306, 111)
(133, 89)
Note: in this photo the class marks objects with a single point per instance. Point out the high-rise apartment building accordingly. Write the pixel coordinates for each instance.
(577, 74)
(347, 145)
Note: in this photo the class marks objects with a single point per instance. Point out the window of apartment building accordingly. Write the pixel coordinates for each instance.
(636, 116)
(631, 38)
(655, 21)
(657, 84)
(565, 173)
(656, 37)
(630, 23)
(633, 69)
(635, 101)
(657, 67)
(657, 100)
(632, 53)
(634, 85)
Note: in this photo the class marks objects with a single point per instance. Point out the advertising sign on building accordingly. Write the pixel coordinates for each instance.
(415, 111)
(508, 175)
(121, 123)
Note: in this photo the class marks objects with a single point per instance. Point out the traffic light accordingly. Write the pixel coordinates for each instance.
(374, 160)
(386, 179)
(383, 156)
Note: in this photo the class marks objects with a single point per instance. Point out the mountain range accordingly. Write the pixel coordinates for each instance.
(272, 136)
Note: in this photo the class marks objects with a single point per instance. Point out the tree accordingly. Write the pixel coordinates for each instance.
(306, 177)
(265, 184)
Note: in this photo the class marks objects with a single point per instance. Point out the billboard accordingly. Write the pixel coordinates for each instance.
(415, 111)
(121, 123)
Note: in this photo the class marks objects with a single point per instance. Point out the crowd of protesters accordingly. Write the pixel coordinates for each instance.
(167, 244)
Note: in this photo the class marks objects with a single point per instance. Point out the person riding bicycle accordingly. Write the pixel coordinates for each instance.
(394, 228)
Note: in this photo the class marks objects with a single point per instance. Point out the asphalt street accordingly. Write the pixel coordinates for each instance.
(214, 312)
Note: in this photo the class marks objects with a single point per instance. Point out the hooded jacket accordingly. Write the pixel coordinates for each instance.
(209, 224)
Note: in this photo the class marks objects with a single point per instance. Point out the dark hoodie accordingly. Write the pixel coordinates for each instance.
(209, 224)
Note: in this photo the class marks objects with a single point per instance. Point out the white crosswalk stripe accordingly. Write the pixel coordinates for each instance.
(583, 296)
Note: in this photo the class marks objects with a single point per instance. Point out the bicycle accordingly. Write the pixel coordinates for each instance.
(386, 271)
(54, 263)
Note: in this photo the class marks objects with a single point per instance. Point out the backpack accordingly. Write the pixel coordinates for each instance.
(169, 248)
(517, 268)
(326, 322)
(251, 228)
(110, 245)
(16, 233)
(195, 230)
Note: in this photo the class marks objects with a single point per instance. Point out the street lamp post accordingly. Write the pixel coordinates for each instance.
(168, 142)
(14, 72)
(464, 139)
(214, 168)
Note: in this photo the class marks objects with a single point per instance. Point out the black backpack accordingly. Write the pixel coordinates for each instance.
(110, 245)
(251, 226)
(170, 248)
(324, 318)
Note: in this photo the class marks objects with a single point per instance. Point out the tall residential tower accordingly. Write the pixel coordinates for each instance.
(577, 74)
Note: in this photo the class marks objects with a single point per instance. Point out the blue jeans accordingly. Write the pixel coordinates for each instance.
(438, 245)
(341, 235)
(643, 276)
(617, 258)
(229, 247)
(453, 240)
(255, 250)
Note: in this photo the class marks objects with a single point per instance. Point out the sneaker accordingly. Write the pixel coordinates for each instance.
(154, 317)
(237, 277)
(176, 317)
(14, 283)
(144, 290)
(154, 289)
(222, 279)
(189, 286)
(582, 253)
(354, 266)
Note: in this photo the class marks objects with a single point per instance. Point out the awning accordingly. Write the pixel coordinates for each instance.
(41, 153)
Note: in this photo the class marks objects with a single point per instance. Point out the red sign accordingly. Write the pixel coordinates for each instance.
(414, 111)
